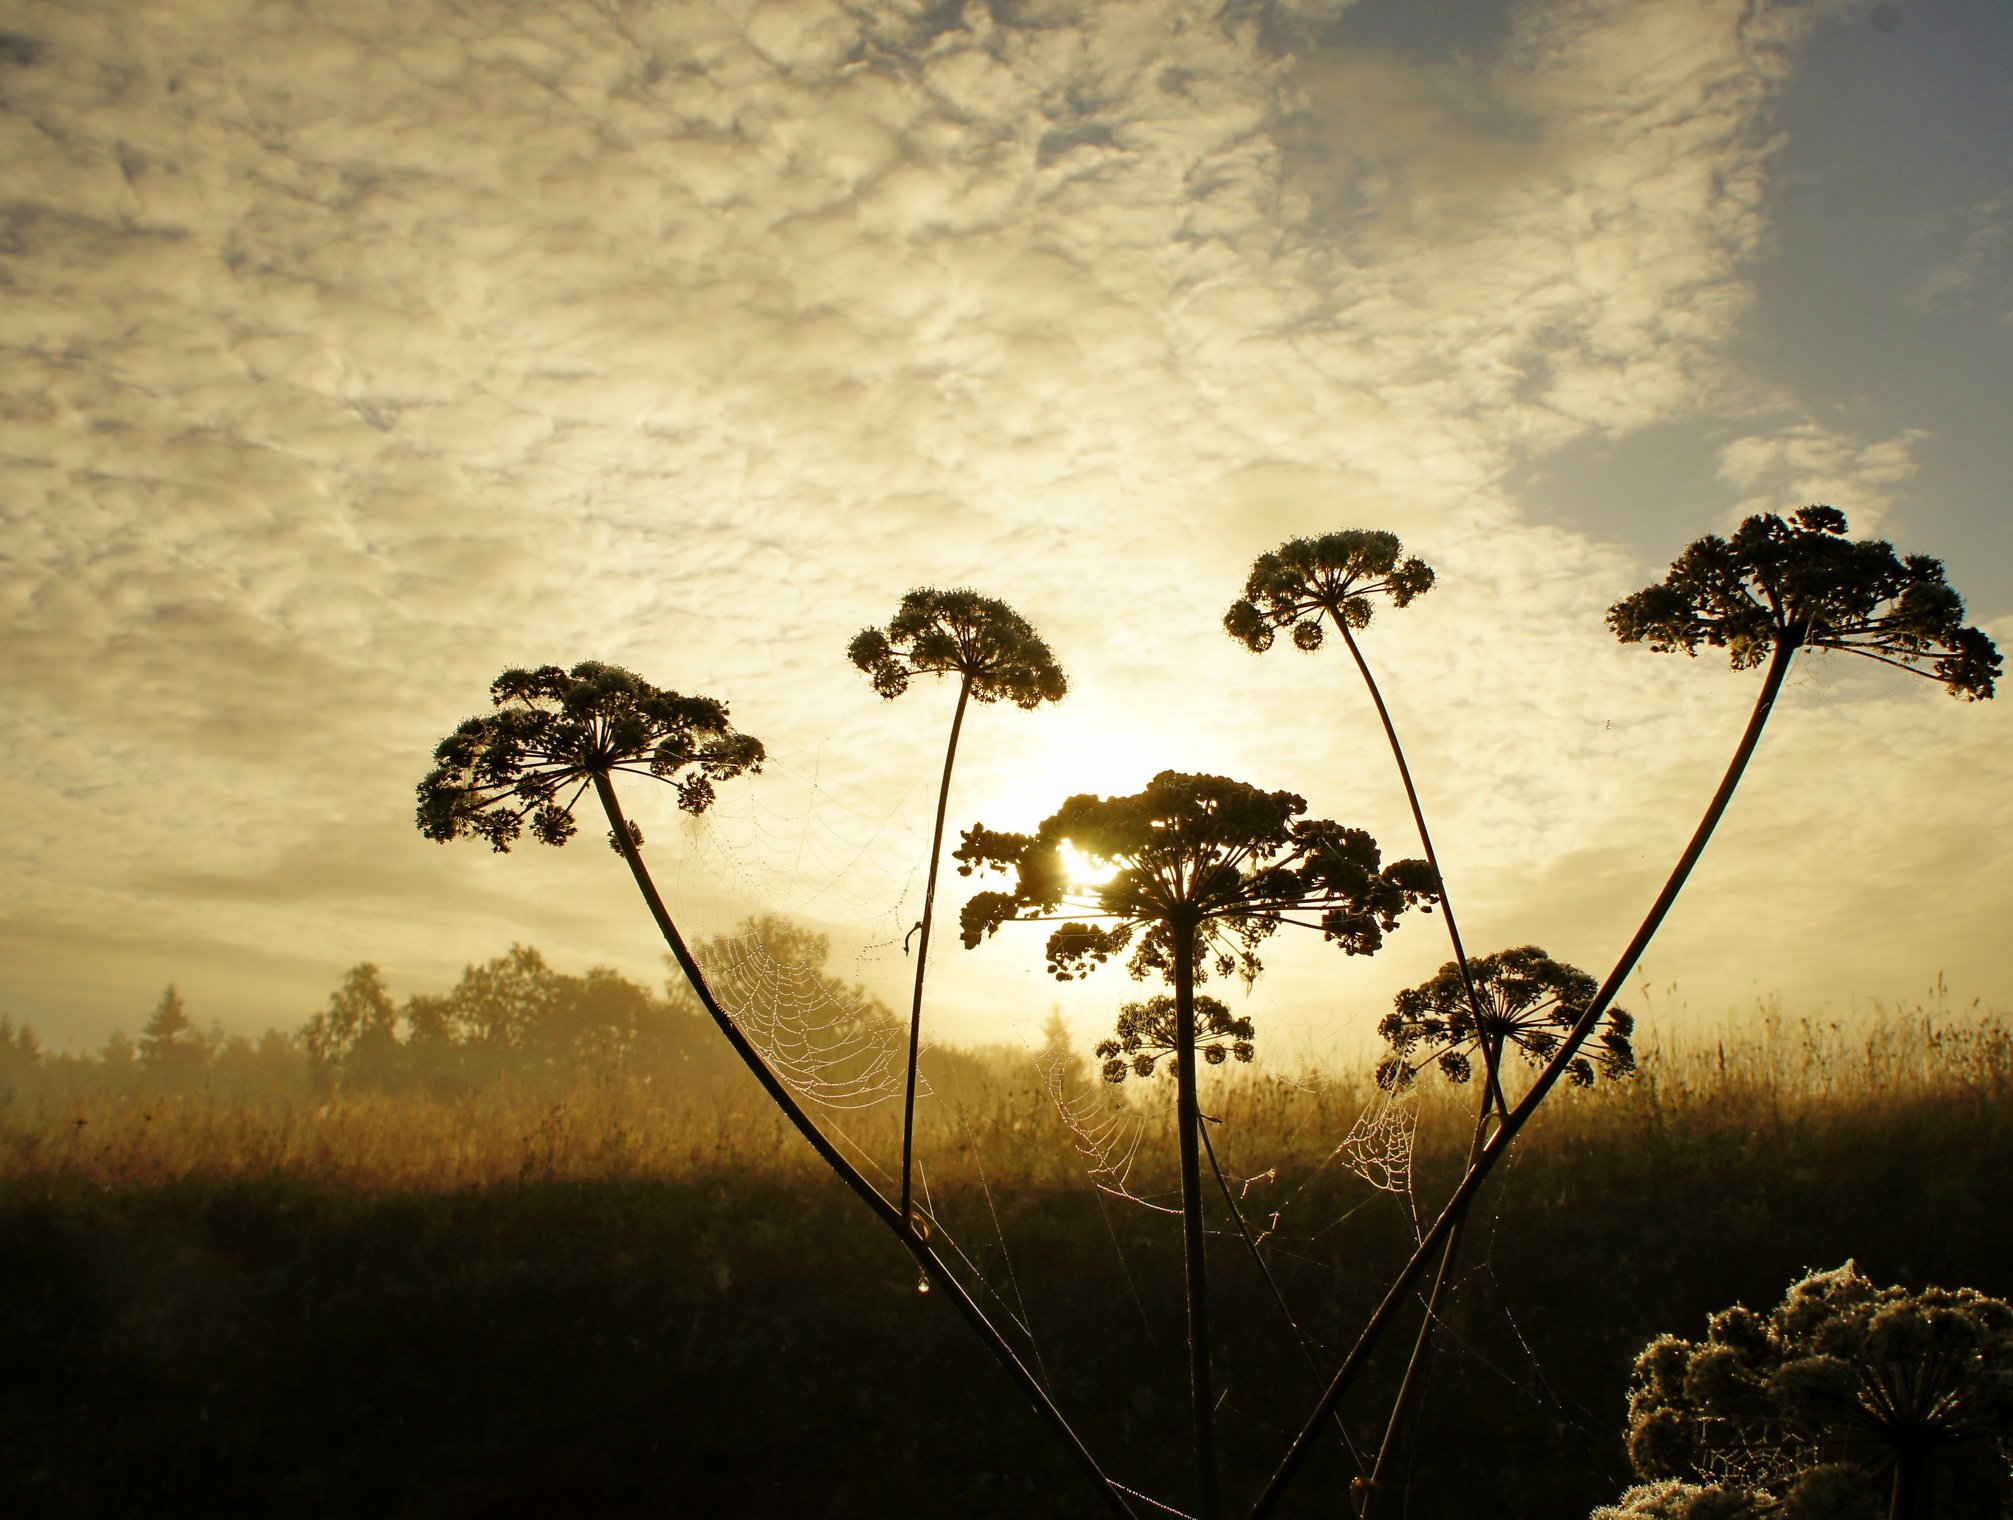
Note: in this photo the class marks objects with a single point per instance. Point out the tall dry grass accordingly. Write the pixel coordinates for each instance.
(1770, 1072)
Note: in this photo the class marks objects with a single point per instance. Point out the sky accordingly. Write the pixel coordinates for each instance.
(355, 352)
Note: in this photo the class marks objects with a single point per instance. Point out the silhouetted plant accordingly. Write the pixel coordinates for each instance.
(1221, 858)
(1801, 584)
(996, 656)
(1147, 1034)
(1529, 1002)
(1334, 576)
(556, 733)
(1772, 589)
(1846, 1399)
(1203, 869)
(1301, 585)
(1518, 999)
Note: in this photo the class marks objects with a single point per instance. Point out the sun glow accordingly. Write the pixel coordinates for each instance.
(1085, 871)
(1045, 758)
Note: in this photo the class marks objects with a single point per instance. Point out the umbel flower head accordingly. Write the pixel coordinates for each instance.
(1146, 1034)
(1802, 583)
(1335, 575)
(1527, 1000)
(553, 732)
(945, 632)
(1902, 1399)
(1219, 860)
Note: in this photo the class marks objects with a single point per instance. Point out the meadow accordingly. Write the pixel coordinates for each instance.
(599, 1301)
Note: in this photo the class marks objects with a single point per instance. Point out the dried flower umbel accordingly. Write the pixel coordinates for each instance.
(1801, 583)
(1219, 859)
(1333, 577)
(1845, 1399)
(992, 649)
(1529, 1003)
(1147, 1034)
(553, 732)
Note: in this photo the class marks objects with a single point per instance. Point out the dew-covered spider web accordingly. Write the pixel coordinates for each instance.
(1106, 1132)
(830, 1048)
(793, 896)
(1380, 1144)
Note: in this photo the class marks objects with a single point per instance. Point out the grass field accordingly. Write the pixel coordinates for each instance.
(606, 1304)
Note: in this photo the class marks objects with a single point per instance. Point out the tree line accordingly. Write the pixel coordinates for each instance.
(514, 1019)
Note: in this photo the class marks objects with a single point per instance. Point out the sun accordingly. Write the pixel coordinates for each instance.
(1085, 871)
(1057, 754)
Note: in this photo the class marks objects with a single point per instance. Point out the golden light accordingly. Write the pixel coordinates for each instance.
(1085, 871)
(1047, 757)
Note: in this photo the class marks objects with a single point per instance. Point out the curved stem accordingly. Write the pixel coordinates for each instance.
(1188, 1120)
(1492, 1093)
(1418, 817)
(923, 954)
(1499, 1143)
(925, 1256)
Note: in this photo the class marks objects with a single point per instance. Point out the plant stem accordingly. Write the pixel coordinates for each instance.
(925, 1256)
(923, 955)
(1499, 1143)
(1426, 1326)
(1492, 1084)
(1279, 1298)
(1188, 1120)
(1419, 819)
(1907, 1479)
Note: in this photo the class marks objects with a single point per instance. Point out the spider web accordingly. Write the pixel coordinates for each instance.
(771, 877)
(1380, 1144)
(1758, 1456)
(829, 1049)
(1107, 1133)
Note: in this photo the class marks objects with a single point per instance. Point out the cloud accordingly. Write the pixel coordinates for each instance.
(1980, 272)
(1805, 461)
(353, 355)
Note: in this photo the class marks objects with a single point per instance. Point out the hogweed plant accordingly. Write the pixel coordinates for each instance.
(555, 735)
(1301, 588)
(1847, 1401)
(996, 656)
(1529, 1003)
(1775, 587)
(1197, 872)
(1308, 583)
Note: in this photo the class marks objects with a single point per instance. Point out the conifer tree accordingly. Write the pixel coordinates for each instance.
(169, 1044)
